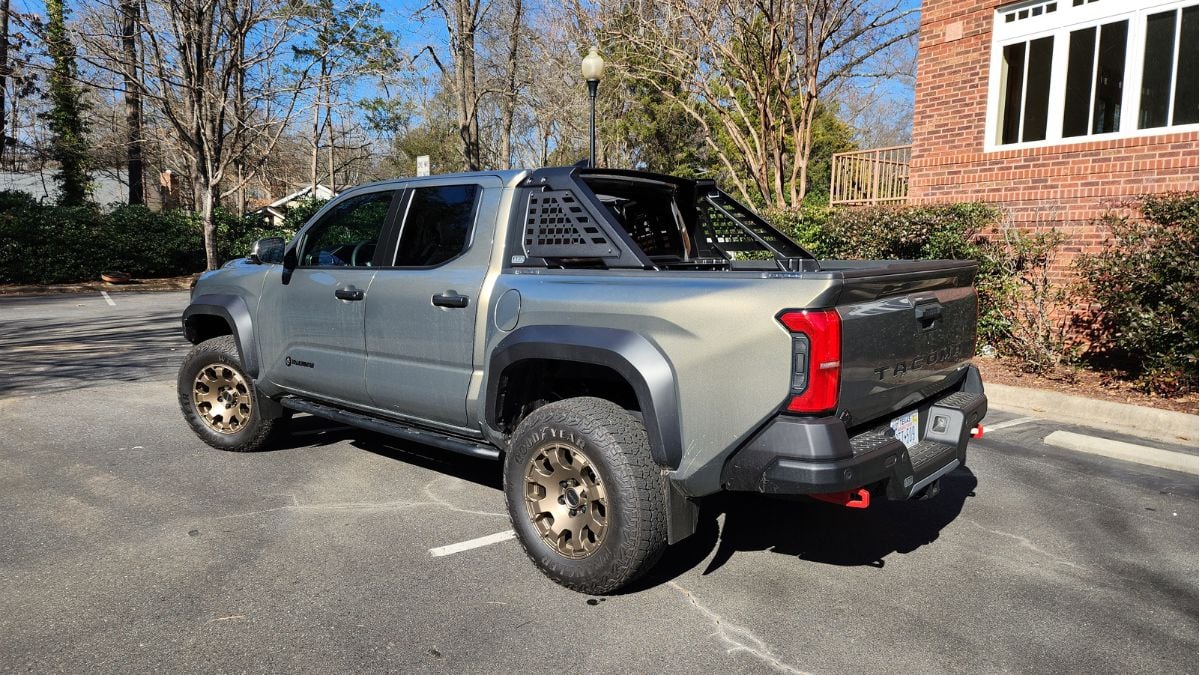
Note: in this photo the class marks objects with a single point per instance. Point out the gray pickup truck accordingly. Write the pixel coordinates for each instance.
(626, 343)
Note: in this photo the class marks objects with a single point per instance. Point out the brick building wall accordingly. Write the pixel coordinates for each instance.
(1066, 185)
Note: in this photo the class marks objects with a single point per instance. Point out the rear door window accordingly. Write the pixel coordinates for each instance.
(438, 224)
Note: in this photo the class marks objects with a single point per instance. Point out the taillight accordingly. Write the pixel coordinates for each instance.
(816, 359)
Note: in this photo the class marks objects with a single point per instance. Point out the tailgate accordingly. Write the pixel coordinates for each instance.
(907, 330)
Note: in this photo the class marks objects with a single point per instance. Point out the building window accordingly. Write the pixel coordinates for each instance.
(1169, 73)
(1026, 89)
(1095, 80)
(1092, 68)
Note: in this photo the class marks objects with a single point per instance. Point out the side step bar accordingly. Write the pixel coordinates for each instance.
(390, 428)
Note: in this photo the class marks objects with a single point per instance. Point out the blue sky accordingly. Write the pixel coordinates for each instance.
(414, 34)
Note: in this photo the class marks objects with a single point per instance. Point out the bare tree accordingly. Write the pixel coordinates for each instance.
(464, 20)
(555, 97)
(347, 44)
(18, 77)
(196, 52)
(512, 84)
(751, 74)
(4, 20)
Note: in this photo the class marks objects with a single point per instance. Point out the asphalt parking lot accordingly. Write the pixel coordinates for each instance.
(128, 545)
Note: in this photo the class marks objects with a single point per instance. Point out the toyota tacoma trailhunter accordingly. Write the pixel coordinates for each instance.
(626, 343)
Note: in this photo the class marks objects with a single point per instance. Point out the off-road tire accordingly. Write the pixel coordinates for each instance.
(614, 443)
(222, 352)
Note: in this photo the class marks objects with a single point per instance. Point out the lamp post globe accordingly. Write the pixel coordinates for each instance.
(592, 69)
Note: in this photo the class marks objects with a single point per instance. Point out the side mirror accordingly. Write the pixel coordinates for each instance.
(290, 261)
(267, 251)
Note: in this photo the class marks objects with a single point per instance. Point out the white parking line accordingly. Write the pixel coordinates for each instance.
(1128, 452)
(987, 429)
(108, 299)
(472, 543)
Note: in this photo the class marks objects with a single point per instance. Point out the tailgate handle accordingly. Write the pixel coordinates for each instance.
(927, 311)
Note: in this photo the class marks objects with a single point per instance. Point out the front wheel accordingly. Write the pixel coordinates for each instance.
(218, 398)
(586, 500)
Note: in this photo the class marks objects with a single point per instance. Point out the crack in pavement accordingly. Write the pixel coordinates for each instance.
(733, 635)
(1027, 543)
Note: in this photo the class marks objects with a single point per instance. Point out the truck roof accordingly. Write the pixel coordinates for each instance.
(510, 177)
(514, 177)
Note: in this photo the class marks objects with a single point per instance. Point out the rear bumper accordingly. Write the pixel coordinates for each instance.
(797, 455)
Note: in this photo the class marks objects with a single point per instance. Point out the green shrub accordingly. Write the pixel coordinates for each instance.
(236, 235)
(1145, 286)
(807, 226)
(15, 200)
(1029, 312)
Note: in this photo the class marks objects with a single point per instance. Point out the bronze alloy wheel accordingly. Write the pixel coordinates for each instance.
(222, 398)
(566, 500)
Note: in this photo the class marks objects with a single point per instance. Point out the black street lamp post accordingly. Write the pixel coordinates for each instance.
(593, 70)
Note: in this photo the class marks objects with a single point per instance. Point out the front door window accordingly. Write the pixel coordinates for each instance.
(346, 235)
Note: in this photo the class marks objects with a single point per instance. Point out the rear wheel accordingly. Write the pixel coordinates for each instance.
(218, 398)
(585, 498)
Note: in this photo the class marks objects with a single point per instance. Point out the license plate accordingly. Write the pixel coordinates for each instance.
(905, 428)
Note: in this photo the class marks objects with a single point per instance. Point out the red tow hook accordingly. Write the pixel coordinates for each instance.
(854, 499)
(977, 432)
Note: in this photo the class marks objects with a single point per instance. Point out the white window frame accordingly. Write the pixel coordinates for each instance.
(1060, 24)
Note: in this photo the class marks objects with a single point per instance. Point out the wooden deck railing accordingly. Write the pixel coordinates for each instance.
(876, 176)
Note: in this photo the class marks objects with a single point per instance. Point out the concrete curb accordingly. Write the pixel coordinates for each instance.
(1160, 425)
(168, 284)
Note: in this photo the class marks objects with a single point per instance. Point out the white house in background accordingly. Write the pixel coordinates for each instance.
(275, 212)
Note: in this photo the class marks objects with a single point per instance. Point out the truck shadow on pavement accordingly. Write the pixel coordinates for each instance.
(730, 523)
(309, 431)
(812, 531)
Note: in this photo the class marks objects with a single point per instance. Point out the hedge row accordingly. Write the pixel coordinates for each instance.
(48, 244)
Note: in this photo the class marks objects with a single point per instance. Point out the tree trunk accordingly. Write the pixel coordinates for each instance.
(3, 76)
(207, 198)
(468, 99)
(241, 114)
(509, 104)
(329, 126)
(316, 136)
(133, 102)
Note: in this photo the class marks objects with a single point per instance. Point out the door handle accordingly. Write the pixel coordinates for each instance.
(349, 294)
(451, 299)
